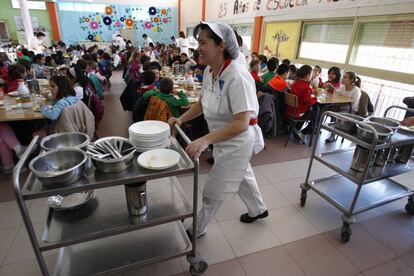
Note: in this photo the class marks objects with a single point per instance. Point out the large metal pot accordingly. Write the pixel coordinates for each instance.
(118, 164)
(65, 140)
(360, 159)
(59, 167)
(347, 125)
(391, 123)
(366, 134)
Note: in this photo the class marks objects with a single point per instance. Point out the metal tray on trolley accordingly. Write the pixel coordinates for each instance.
(94, 179)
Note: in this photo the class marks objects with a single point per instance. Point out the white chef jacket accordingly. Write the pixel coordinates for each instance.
(182, 43)
(147, 42)
(232, 93)
(36, 45)
(121, 43)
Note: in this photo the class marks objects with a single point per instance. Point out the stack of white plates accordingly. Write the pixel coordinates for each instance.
(149, 135)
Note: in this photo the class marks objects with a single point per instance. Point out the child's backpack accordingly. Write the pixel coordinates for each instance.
(157, 110)
(96, 106)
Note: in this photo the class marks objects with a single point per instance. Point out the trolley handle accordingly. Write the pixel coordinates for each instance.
(397, 107)
(348, 119)
(185, 137)
(16, 172)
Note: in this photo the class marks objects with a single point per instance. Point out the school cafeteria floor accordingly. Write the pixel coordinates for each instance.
(291, 241)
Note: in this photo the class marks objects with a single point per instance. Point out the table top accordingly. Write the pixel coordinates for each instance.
(18, 114)
(334, 100)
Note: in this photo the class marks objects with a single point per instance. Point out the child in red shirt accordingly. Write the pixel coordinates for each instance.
(254, 70)
(307, 105)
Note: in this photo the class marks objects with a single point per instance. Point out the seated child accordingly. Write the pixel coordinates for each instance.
(148, 81)
(166, 94)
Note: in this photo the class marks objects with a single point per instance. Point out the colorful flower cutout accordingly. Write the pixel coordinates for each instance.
(87, 19)
(155, 29)
(118, 24)
(108, 10)
(152, 11)
(122, 19)
(94, 25)
(107, 21)
(129, 22)
(90, 37)
(98, 38)
(156, 19)
(165, 20)
(148, 25)
(164, 11)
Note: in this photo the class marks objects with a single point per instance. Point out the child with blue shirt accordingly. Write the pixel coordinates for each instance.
(63, 94)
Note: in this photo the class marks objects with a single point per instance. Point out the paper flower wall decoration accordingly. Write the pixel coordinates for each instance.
(94, 25)
(107, 21)
(108, 10)
(152, 11)
(129, 22)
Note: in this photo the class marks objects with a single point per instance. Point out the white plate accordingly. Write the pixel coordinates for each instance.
(149, 128)
(145, 144)
(13, 94)
(407, 129)
(159, 159)
(144, 149)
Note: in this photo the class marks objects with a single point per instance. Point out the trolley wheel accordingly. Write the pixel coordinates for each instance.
(346, 232)
(199, 268)
(409, 207)
(303, 196)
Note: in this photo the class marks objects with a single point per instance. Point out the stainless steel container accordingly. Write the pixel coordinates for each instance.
(33, 86)
(391, 123)
(405, 153)
(115, 165)
(65, 140)
(60, 167)
(360, 159)
(136, 198)
(366, 134)
(347, 125)
(381, 157)
(393, 155)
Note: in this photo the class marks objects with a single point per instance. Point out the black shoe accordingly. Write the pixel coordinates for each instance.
(210, 161)
(298, 138)
(248, 219)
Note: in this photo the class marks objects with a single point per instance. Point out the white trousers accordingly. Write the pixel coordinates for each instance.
(248, 192)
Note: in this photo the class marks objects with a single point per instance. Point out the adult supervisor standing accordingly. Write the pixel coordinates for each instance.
(229, 104)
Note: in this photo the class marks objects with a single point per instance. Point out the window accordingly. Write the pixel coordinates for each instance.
(81, 7)
(245, 31)
(326, 41)
(33, 5)
(385, 45)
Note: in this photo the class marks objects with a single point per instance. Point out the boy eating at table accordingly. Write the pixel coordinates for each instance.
(168, 94)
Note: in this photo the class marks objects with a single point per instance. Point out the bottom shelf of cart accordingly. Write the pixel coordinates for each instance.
(125, 251)
(340, 191)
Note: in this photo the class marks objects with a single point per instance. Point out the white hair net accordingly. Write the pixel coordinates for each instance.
(226, 33)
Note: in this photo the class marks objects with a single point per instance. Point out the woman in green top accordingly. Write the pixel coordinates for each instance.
(272, 65)
(166, 94)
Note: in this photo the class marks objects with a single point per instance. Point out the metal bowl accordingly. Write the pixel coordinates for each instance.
(65, 140)
(59, 167)
(391, 123)
(347, 125)
(118, 164)
(384, 132)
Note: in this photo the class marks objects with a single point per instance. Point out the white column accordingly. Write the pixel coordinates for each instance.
(27, 22)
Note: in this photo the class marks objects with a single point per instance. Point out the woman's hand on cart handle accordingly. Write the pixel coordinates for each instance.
(196, 148)
(173, 121)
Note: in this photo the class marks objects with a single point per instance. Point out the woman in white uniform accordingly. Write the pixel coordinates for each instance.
(229, 104)
(182, 43)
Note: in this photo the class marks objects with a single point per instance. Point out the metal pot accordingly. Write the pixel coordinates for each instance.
(136, 196)
(115, 165)
(381, 157)
(366, 134)
(405, 153)
(59, 167)
(347, 125)
(360, 159)
(65, 140)
(391, 123)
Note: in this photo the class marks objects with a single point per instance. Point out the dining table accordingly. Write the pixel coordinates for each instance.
(17, 112)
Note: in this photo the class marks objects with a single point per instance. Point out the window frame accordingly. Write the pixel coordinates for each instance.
(367, 71)
(30, 8)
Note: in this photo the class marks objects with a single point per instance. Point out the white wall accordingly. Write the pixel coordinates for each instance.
(160, 3)
(191, 11)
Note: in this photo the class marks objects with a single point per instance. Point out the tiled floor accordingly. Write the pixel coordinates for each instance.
(291, 241)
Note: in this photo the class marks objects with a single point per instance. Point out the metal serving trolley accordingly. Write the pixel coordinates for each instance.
(101, 237)
(354, 192)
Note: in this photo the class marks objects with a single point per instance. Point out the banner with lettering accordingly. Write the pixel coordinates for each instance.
(234, 9)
